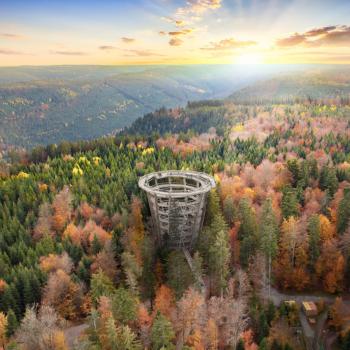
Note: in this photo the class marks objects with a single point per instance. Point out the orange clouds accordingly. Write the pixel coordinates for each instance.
(228, 44)
(175, 42)
(69, 53)
(198, 7)
(11, 36)
(127, 40)
(324, 36)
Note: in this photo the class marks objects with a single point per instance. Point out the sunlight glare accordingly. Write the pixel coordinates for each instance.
(249, 58)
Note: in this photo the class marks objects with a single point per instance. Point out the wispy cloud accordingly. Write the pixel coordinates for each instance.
(176, 22)
(228, 44)
(127, 40)
(141, 53)
(181, 32)
(175, 42)
(323, 36)
(107, 47)
(11, 36)
(198, 7)
(11, 52)
(68, 53)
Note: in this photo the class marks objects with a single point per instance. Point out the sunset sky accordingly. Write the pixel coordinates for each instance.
(55, 32)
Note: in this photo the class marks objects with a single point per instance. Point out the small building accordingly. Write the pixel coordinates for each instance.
(309, 308)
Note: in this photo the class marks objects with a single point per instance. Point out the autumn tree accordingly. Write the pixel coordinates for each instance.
(61, 206)
(293, 258)
(3, 329)
(164, 300)
(330, 267)
(188, 315)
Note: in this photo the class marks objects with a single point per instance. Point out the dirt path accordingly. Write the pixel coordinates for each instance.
(73, 333)
(277, 297)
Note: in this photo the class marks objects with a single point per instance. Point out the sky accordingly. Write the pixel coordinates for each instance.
(115, 32)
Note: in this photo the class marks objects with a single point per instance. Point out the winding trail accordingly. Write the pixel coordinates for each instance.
(278, 297)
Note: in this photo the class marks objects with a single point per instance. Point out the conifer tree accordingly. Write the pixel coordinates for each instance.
(162, 333)
(12, 323)
(343, 215)
(268, 236)
(313, 229)
(289, 203)
(248, 231)
(219, 258)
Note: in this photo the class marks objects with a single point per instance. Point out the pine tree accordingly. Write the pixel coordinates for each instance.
(179, 275)
(289, 203)
(328, 180)
(12, 323)
(248, 231)
(112, 335)
(162, 333)
(343, 214)
(124, 306)
(101, 285)
(229, 210)
(313, 229)
(268, 236)
(96, 245)
(219, 258)
(213, 207)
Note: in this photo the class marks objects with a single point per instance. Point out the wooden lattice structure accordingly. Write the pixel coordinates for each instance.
(177, 200)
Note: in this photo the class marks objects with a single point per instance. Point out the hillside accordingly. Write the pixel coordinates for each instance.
(42, 105)
(312, 84)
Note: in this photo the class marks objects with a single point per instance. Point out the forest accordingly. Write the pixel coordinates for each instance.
(77, 247)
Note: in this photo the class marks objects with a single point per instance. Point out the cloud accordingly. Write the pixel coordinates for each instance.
(181, 32)
(293, 40)
(176, 22)
(162, 33)
(141, 53)
(228, 44)
(11, 36)
(198, 7)
(10, 52)
(323, 36)
(127, 40)
(107, 47)
(175, 42)
(320, 31)
(69, 53)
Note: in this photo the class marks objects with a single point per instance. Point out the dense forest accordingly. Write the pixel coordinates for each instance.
(77, 246)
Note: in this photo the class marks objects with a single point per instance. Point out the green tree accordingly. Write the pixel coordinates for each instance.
(289, 203)
(101, 285)
(162, 333)
(268, 236)
(328, 180)
(12, 323)
(124, 306)
(219, 258)
(343, 214)
(229, 210)
(179, 275)
(248, 231)
(313, 229)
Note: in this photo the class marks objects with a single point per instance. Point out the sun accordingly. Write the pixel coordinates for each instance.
(249, 58)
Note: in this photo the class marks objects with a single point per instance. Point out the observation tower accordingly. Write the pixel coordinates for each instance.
(177, 200)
